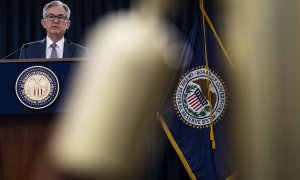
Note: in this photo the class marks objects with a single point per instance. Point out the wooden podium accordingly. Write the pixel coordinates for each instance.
(23, 130)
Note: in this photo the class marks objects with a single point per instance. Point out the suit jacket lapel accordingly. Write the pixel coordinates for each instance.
(41, 52)
(68, 50)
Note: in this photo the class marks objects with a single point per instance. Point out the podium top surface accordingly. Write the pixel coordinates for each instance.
(4, 61)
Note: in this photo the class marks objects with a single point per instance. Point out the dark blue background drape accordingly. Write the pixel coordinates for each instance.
(20, 23)
(20, 19)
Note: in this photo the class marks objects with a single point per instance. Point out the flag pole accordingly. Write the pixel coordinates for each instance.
(211, 134)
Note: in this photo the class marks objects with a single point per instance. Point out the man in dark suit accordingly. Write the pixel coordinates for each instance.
(56, 21)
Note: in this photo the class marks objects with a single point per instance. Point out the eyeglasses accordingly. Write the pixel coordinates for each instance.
(59, 18)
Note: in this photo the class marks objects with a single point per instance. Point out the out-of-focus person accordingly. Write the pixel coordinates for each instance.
(264, 38)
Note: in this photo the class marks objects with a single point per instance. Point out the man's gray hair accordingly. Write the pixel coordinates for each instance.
(56, 3)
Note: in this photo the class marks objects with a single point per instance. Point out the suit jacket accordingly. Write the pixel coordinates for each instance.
(37, 50)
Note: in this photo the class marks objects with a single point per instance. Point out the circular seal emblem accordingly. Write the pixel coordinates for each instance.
(192, 101)
(37, 87)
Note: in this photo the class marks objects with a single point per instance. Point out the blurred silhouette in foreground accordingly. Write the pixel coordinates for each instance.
(265, 43)
(116, 96)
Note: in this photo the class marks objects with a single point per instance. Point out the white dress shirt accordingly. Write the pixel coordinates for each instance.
(59, 47)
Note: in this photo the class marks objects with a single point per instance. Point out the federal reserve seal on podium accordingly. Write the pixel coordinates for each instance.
(37, 87)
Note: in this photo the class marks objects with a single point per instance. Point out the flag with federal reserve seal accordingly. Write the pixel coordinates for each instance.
(197, 113)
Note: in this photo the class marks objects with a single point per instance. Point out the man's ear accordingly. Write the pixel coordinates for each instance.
(68, 24)
(43, 23)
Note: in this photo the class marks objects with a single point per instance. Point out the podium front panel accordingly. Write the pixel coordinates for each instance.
(10, 71)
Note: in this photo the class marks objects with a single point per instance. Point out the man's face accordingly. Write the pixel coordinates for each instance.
(56, 23)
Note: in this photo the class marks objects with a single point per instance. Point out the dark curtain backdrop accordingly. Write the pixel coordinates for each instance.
(20, 23)
(20, 19)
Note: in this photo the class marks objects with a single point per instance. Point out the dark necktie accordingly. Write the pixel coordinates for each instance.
(54, 52)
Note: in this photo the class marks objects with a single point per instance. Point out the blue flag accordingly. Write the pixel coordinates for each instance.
(197, 113)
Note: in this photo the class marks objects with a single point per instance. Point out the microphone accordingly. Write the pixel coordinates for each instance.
(23, 47)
